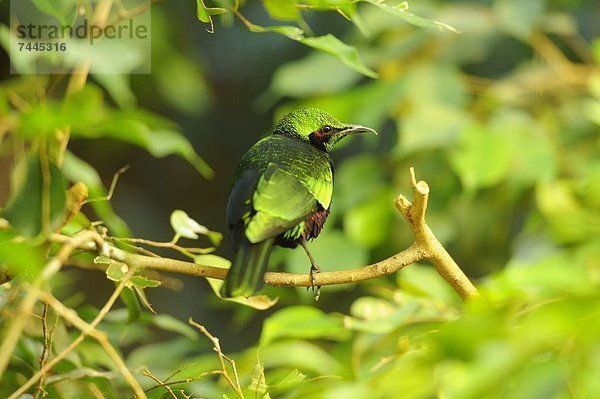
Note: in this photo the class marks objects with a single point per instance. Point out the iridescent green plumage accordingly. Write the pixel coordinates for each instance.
(281, 193)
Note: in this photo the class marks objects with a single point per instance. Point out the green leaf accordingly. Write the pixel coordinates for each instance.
(329, 44)
(296, 78)
(348, 55)
(425, 281)
(40, 120)
(21, 259)
(258, 381)
(284, 10)
(64, 10)
(169, 323)
(144, 282)
(292, 378)
(482, 158)
(119, 88)
(357, 180)
(350, 12)
(301, 322)
(181, 82)
(29, 193)
(372, 315)
(205, 14)
(369, 223)
(133, 57)
(116, 271)
(401, 10)
(292, 32)
(185, 226)
(159, 142)
(84, 109)
(300, 354)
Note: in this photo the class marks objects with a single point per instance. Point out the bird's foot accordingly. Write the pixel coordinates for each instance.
(314, 269)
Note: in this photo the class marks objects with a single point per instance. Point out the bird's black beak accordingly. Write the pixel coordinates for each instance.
(353, 129)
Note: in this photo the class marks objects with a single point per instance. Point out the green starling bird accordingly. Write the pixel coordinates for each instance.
(281, 194)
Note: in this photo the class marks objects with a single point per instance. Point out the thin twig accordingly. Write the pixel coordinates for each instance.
(388, 266)
(45, 351)
(87, 329)
(60, 356)
(426, 246)
(159, 244)
(148, 374)
(222, 359)
(111, 189)
(85, 240)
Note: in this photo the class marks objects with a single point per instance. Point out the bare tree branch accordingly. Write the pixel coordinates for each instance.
(425, 247)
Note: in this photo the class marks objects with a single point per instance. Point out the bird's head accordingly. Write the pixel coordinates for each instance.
(317, 128)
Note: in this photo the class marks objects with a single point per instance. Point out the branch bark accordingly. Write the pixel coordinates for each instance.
(425, 247)
(430, 247)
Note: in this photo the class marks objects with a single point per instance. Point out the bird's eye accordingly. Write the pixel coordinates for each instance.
(327, 129)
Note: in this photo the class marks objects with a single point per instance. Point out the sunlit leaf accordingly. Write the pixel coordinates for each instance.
(292, 378)
(185, 226)
(295, 78)
(258, 381)
(343, 52)
(328, 43)
(19, 259)
(284, 10)
(301, 322)
(292, 32)
(401, 10)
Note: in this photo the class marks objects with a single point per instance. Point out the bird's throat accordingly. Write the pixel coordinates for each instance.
(318, 139)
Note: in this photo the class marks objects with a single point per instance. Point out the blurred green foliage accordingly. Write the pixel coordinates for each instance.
(501, 119)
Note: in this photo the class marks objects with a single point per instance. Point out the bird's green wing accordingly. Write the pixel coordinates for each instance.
(280, 201)
(321, 187)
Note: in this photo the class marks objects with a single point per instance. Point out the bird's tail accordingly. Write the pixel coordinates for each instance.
(246, 275)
